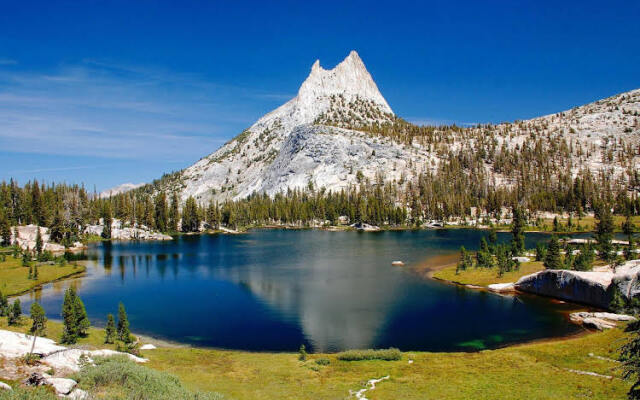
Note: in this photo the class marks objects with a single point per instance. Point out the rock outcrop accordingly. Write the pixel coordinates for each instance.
(70, 359)
(27, 239)
(121, 232)
(599, 320)
(16, 345)
(594, 288)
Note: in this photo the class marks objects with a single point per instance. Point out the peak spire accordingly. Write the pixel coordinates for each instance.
(349, 78)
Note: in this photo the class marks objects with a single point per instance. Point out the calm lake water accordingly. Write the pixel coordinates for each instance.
(272, 290)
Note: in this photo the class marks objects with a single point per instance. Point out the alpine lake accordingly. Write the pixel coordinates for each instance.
(275, 289)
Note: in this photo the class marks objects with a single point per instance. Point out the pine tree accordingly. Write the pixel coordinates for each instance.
(15, 312)
(124, 334)
(541, 251)
(107, 219)
(5, 229)
(584, 260)
(190, 217)
(110, 330)
(38, 241)
(628, 228)
(39, 325)
(517, 230)
(70, 330)
(465, 260)
(483, 256)
(174, 213)
(553, 258)
(35, 272)
(4, 304)
(82, 319)
(74, 317)
(604, 233)
(161, 213)
(493, 240)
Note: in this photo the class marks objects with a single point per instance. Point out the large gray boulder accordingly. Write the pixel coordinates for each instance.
(594, 288)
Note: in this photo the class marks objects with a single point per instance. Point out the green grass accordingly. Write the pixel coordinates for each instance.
(531, 371)
(486, 276)
(120, 378)
(14, 278)
(370, 354)
(528, 371)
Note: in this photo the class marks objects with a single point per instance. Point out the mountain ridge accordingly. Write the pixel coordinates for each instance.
(339, 131)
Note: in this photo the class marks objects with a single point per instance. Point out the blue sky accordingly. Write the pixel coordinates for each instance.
(107, 92)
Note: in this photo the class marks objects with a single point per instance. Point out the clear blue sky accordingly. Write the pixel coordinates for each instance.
(107, 92)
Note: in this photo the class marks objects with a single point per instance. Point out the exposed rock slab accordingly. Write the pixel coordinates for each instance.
(595, 288)
(69, 359)
(120, 232)
(26, 239)
(62, 386)
(14, 345)
(502, 287)
(4, 386)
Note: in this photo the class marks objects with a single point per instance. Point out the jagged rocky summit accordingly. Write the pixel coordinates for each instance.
(290, 147)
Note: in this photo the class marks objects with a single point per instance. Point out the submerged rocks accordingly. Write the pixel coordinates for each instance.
(397, 263)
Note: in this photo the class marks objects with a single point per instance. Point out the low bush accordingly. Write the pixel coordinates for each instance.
(370, 354)
(18, 393)
(323, 361)
(120, 378)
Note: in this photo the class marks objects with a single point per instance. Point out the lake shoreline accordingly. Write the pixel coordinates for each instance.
(426, 269)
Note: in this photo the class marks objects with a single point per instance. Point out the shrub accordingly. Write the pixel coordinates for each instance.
(370, 354)
(120, 378)
(323, 361)
(18, 393)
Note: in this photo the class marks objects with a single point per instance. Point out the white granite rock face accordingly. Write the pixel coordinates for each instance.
(27, 239)
(593, 287)
(62, 386)
(120, 232)
(14, 345)
(69, 359)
